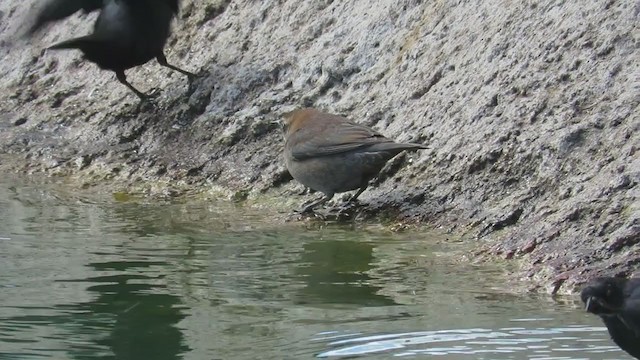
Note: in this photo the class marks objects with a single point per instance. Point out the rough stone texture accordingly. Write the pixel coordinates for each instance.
(530, 109)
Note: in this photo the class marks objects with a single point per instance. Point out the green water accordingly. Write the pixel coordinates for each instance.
(93, 278)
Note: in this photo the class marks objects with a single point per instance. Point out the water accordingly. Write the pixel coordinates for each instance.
(94, 278)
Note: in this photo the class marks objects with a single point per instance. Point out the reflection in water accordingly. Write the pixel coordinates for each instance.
(335, 272)
(136, 319)
(129, 318)
(98, 279)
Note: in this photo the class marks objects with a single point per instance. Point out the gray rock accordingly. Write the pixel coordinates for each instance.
(530, 111)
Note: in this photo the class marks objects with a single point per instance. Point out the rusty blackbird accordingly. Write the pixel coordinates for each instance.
(617, 302)
(330, 154)
(127, 33)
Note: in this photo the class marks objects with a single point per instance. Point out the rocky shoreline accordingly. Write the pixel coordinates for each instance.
(531, 112)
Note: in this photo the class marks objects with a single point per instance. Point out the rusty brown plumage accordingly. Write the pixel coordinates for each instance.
(331, 154)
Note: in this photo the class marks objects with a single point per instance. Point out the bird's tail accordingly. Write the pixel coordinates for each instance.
(55, 10)
(410, 146)
(77, 43)
(393, 146)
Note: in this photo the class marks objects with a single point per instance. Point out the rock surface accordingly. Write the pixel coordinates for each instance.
(530, 110)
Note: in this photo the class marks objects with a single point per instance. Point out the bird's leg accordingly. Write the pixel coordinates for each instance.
(162, 60)
(355, 196)
(345, 210)
(123, 79)
(306, 209)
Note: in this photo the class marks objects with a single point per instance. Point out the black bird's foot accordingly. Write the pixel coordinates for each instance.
(148, 101)
(191, 77)
(162, 60)
(153, 94)
(149, 97)
(144, 105)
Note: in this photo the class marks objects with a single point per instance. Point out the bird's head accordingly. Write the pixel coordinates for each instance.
(604, 296)
(296, 119)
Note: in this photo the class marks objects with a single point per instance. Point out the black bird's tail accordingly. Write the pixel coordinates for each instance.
(55, 10)
(81, 43)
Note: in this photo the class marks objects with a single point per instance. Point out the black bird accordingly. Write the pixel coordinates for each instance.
(126, 34)
(617, 302)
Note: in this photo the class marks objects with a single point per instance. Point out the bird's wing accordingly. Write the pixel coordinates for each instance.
(54, 10)
(621, 335)
(631, 315)
(631, 309)
(341, 137)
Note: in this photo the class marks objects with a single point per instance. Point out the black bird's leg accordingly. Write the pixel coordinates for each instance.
(123, 79)
(162, 60)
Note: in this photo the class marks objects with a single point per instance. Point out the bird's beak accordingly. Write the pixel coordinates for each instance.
(588, 305)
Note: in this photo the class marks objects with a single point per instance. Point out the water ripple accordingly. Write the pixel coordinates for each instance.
(532, 343)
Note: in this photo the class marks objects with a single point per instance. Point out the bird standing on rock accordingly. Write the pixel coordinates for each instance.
(330, 154)
(127, 33)
(617, 302)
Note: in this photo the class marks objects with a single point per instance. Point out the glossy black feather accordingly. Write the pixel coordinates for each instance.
(54, 10)
(127, 33)
(617, 302)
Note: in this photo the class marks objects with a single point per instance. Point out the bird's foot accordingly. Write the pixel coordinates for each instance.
(307, 208)
(305, 213)
(350, 205)
(308, 205)
(305, 191)
(148, 100)
(344, 212)
(304, 210)
(191, 77)
(146, 104)
(153, 94)
(351, 202)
